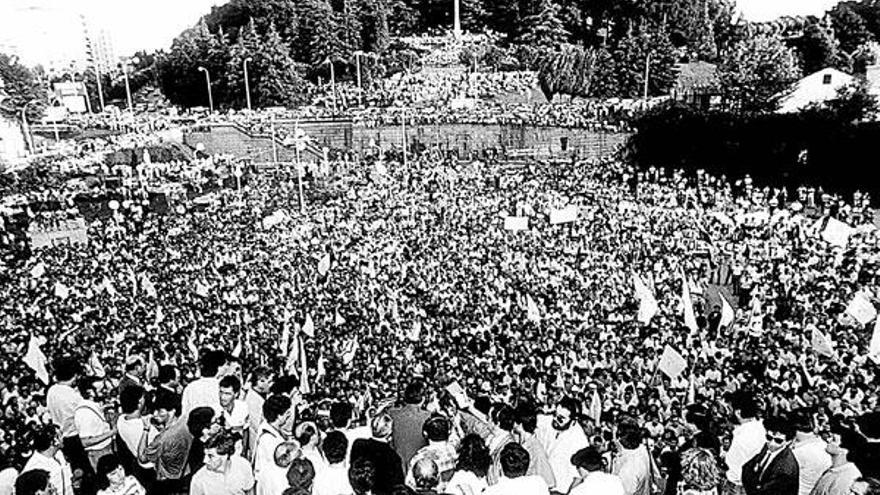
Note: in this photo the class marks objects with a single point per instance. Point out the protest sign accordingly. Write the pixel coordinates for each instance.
(516, 224)
(672, 363)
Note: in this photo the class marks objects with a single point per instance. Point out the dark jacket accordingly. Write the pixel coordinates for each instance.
(780, 477)
(389, 472)
(406, 433)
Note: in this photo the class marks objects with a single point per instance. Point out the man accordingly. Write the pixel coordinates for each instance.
(47, 457)
(261, 382)
(223, 472)
(748, 440)
(839, 478)
(774, 471)
(592, 479)
(135, 370)
(169, 450)
(502, 419)
(205, 391)
(340, 417)
(235, 411)
(524, 425)
(514, 480)
(384, 460)
(362, 477)
(407, 421)
(562, 438)
(95, 432)
(865, 486)
(129, 426)
(62, 399)
(34, 482)
(333, 480)
(809, 450)
(634, 464)
(276, 411)
(439, 450)
(426, 476)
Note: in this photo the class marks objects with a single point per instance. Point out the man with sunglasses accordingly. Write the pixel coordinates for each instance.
(774, 471)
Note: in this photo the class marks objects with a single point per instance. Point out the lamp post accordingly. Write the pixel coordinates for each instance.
(357, 57)
(100, 86)
(127, 85)
(27, 128)
(332, 80)
(247, 84)
(210, 95)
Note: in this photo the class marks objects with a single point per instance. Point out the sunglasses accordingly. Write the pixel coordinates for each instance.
(771, 438)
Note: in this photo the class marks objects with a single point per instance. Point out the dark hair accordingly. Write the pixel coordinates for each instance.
(779, 424)
(284, 385)
(223, 441)
(301, 475)
(130, 398)
(231, 381)
(573, 406)
(335, 447)
(132, 364)
(503, 416)
(210, 362)
(362, 476)
(86, 384)
(31, 482)
(167, 400)
(514, 460)
(275, 407)
(199, 419)
(526, 415)
(414, 393)
(307, 431)
(106, 465)
(44, 437)
(259, 373)
(340, 414)
(873, 485)
(483, 404)
(402, 490)
(629, 434)
(588, 458)
(473, 455)
(745, 403)
(66, 368)
(436, 428)
(801, 420)
(166, 373)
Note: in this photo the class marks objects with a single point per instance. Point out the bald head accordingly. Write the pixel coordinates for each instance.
(426, 474)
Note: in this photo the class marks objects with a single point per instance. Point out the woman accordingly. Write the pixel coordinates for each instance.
(700, 474)
(472, 467)
(112, 479)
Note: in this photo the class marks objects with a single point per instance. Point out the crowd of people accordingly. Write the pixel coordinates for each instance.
(400, 337)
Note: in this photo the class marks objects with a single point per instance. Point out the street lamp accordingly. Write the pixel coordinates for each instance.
(247, 85)
(27, 128)
(100, 86)
(127, 85)
(210, 96)
(332, 80)
(357, 58)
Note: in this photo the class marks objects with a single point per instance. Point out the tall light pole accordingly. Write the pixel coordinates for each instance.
(27, 128)
(456, 26)
(647, 74)
(100, 86)
(357, 57)
(332, 80)
(247, 84)
(127, 86)
(210, 95)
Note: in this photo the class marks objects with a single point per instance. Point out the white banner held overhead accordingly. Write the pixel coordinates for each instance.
(672, 362)
(837, 233)
(861, 309)
(566, 215)
(516, 224)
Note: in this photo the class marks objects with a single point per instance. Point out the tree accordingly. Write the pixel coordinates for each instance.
(819, 49)
(404, 20)
(20, 87)
(373, 18)
(849, 27)
(318, 36)
(756, 69)
(473, 15)
(275, 75)
(648, 48)
(544, 28)
(567, 69)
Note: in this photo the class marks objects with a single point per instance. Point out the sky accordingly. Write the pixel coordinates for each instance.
(37, 27)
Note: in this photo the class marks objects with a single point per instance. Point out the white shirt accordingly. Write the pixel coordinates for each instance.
(812, 462)
(204, 392)
(599, 483)
(633, 466)
(524, 485)
(131, 431)
(60, 475)
(332, 481)
(268, 439)
(466, 483)
(62, 400)
(560, 446)
(238, 418)
(90, 422)
(748, 440)
(7, 481)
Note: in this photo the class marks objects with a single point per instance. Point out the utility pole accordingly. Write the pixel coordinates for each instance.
(647, 74)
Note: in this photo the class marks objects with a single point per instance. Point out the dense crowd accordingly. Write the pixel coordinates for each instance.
(398, 338)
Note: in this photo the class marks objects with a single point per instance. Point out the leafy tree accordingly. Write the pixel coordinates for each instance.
(756, 69)
(850, 28)
(648, 48)
(473, 15)
(404, 20)
(20, 87)
(604, 83)
(318, 32)
(819, 49)
(373, 18)
(568, 69)
(544, 28)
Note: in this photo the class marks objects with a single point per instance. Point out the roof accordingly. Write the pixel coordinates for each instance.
(695, 75)
(813, 89)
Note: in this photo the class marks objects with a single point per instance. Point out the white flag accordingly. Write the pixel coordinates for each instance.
(324, 265)
(349, 350)
(648, 306)
(308, 327)
(822, 344)
(874, 346)
(690, 320)
(532, 310)
(416, 331)
(35, 359)
(516, 224)
(671, 362)
(727, 314)
(148, 286)
(61, 291)
(861, 309)
(201, 289)
(95, 367)
(38, 271)
(338, 319)
(837, 233)
(566, 215)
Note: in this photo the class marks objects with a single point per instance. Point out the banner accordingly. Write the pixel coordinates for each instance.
(516, 224)
(727, 314)
(861, 309)
(566, 215)
(822, 344)
(672, 363)
(837, 233)
(648, 306)
(690, 319)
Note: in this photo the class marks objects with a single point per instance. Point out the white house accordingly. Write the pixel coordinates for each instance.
(818, 87)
